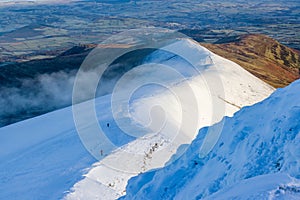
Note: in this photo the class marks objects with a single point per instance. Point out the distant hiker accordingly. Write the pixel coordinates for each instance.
(101, 152)
(107, 124)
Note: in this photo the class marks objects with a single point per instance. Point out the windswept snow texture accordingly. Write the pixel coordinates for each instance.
(43, 157)
(108, 178)
(256, 157)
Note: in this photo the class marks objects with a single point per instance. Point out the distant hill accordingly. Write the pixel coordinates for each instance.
(261, 55)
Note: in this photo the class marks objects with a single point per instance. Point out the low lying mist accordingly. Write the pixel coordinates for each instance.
(39, 95)
(50, 91)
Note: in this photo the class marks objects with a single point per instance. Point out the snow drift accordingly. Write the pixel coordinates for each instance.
(256, 157)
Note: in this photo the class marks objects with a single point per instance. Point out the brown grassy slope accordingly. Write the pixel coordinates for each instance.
(262, 56)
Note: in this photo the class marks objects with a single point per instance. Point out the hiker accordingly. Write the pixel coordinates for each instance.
(107, 124)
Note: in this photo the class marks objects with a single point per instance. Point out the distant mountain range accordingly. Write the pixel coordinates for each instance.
(262, 56)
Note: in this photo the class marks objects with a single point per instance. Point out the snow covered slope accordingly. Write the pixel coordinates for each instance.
(109, 176)
(43, 157)
(256, 157)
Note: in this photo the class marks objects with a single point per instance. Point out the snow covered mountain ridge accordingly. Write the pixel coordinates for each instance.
(47, 154)
(239, 88)
(256, 157)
